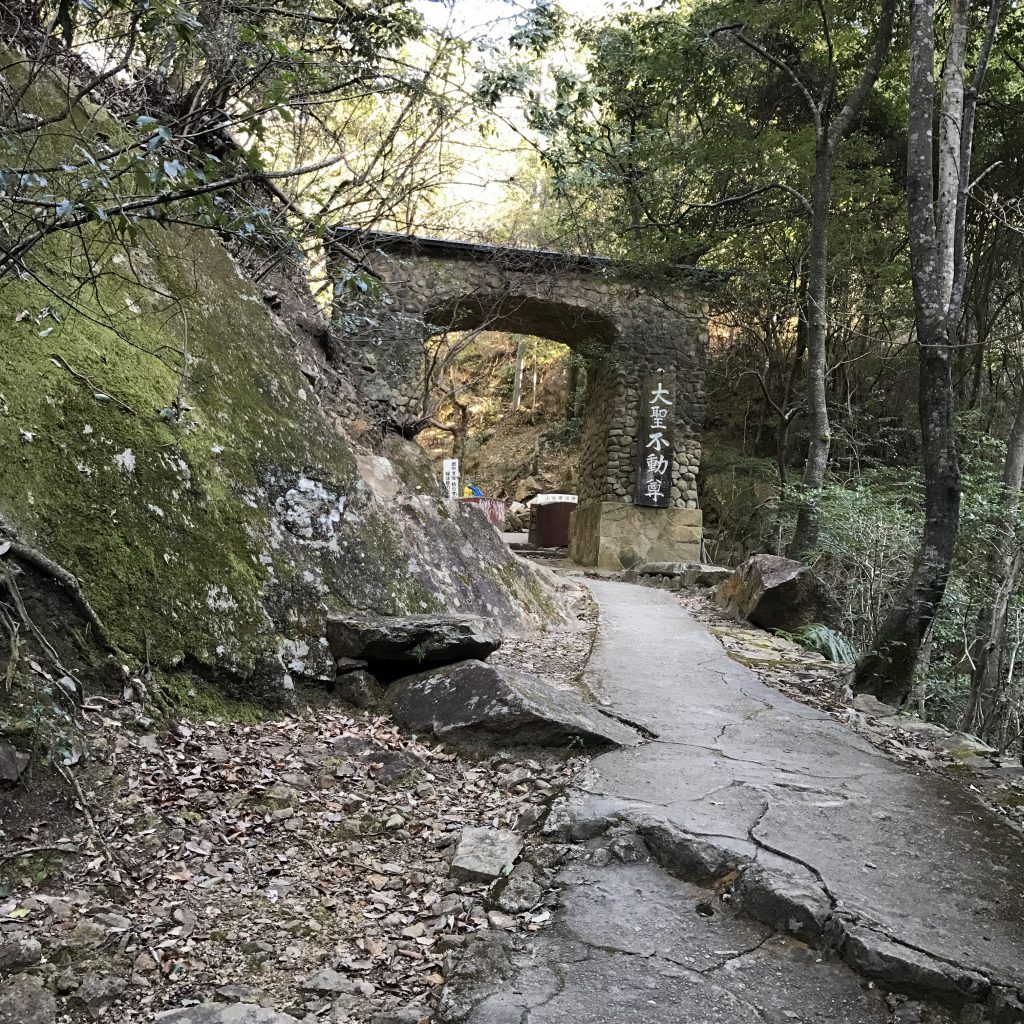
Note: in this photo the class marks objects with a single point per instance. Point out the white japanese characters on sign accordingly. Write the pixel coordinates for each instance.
(654, 464)
(450, 475)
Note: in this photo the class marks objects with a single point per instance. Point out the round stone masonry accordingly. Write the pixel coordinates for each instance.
(626, 330)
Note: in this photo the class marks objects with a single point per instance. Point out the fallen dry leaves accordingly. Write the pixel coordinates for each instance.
(238, 861)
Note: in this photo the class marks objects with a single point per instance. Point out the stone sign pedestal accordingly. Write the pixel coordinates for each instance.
(618, 535)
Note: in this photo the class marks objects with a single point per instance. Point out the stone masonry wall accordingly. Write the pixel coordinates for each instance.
(623, 330)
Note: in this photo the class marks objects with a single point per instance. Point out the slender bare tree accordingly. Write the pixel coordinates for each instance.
(981, 714)
(937, 199)
(832, 121)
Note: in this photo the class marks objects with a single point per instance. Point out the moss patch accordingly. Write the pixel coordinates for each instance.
(161, 519)
(160, 442)
(191, 698)
(1008, 798)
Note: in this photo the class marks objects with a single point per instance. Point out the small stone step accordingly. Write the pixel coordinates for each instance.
(483, 853)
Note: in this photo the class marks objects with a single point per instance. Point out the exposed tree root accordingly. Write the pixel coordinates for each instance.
(7, 577)
(23, 552)
(30, 851)
(14, 657)
(142, 682)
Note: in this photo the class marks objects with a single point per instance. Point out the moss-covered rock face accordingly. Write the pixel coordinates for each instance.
(217, 539)
(225, 536)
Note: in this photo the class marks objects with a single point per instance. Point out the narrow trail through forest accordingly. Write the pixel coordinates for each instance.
(757, 860)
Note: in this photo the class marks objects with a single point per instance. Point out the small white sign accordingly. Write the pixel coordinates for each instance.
(451, 477)
(554, 499)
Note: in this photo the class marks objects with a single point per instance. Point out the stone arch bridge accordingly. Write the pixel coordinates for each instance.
(644, 349)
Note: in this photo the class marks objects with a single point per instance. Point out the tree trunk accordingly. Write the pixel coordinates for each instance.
(979, 367)
(887, 671)
(979, 715)
(782, 451)
(517, 386)
(572, 400)
(533, 403)
(805, 537)
(797, 368)
(827, 137)
(936, 221)
(460, 430)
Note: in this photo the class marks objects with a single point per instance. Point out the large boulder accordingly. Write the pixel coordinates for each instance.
(471, 699)
(776, 593)
(240, 518)
(393, 645)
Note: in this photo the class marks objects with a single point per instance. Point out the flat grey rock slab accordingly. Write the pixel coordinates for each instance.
(218, 1013)
(12, 762)
(328, 981)
(19, 954)
(482, 854)
(684, 574)
(709, 575)
(472, 699)
(239, 994)
(410, 640)
(633, 944)
(683, 568)
(753, 775)
(23, 1000)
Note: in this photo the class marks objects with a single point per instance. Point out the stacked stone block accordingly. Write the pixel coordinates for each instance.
(623, 329)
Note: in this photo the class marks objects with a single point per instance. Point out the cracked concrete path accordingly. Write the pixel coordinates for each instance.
(838, 866)
(636, 946)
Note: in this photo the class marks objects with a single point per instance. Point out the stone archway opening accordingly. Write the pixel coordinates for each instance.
(509, 406)
(644, 346)
(571, 324)
(590, 334)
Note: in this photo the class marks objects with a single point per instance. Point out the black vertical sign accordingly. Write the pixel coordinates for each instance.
(654, 444)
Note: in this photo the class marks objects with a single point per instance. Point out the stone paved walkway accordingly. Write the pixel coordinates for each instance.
(841, 871)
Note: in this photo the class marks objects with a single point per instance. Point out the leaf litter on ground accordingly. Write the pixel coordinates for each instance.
(301, 863)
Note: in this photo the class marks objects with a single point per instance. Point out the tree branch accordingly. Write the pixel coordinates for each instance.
(737, 33)
(995, 10)
(855, 99)
(17, 252)
(89, 87)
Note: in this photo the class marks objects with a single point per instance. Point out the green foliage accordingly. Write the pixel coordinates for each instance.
(870, 531)
(187, 696)
(867, 544)
(651, 164)
(209, 79)
(825, 641)
(564, 432)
